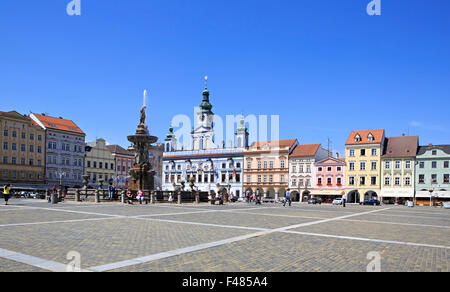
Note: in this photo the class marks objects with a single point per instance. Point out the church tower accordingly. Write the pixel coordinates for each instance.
(170, 144)
(202, 136)
(242, 134)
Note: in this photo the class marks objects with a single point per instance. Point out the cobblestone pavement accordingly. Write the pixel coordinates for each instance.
(36, 236)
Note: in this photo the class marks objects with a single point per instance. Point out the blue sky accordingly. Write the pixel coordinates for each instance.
(324, 66)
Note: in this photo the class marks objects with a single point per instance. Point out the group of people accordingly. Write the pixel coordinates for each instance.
(253, 197)
(139, 197)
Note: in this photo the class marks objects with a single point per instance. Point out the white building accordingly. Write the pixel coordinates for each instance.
(214, 168)
(64, 151)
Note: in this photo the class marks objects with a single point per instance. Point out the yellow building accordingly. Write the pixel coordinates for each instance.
(363, 151)
(22, 151)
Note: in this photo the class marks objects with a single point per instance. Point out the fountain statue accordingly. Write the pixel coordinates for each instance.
(142, 173)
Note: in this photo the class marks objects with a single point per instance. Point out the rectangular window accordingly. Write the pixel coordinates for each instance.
(259, 178)
(13, 160)
(351, 181)
(249, 165)
(22, 147)
(339, 181)
(352, 166)
(352, 153)
(248, 179)
(363, 152)
(23, 135)
(421, 178)
(282, 163)
(362, 165)
(373, 180)
(270, 178)
(407, 181)
(282, 178)
(434, 164)
(31, 148)
(362, 181)
(259, 164)
(446, 178)
(374, 152)
(408, 164)
(5, 133)
(14, 134)
(374, 165)
(271, 164)
(265, 164)
(14, 146)
(397, 181)
(5, 145)
(387, 165)
(445, 164)
(434, 179)
(265, 178)
(31, 136)
(422, 165)
(397, 164)
(387, 181)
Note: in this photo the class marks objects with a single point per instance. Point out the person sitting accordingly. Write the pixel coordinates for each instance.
(129, 197)
(140, 197)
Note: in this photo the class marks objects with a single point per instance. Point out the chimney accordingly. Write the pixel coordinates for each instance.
(337, 154)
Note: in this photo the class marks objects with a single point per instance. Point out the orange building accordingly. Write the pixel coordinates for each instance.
(266, 167)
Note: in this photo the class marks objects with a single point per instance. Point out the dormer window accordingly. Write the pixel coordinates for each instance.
(357, 138)
(370, 138)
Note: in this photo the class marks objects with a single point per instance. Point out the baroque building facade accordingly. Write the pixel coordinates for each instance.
(22, 151)
(433, 174)
(302, 173)
(64, 150)
(212, 167)
(398, 169)
(363, 152)
(266, 167)
(330, 179)
(123, 161)
(100, 164)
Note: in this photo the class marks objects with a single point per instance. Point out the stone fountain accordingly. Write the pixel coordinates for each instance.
(142, 173)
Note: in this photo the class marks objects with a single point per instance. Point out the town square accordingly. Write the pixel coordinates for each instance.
(225, 137)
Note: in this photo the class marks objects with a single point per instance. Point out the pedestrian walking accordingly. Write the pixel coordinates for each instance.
(287, 198)
(7, 193)
(344, 200)
(257, 198)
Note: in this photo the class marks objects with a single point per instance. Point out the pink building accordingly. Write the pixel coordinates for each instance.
(124, 160)
(330, 179)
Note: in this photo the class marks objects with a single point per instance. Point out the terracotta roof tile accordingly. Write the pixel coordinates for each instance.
(280, 143)
(378, 136)
(117, 149)
(59, 124)
(306, 150)
(405, 146)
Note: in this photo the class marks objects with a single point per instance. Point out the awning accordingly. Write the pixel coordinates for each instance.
(327, 193)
